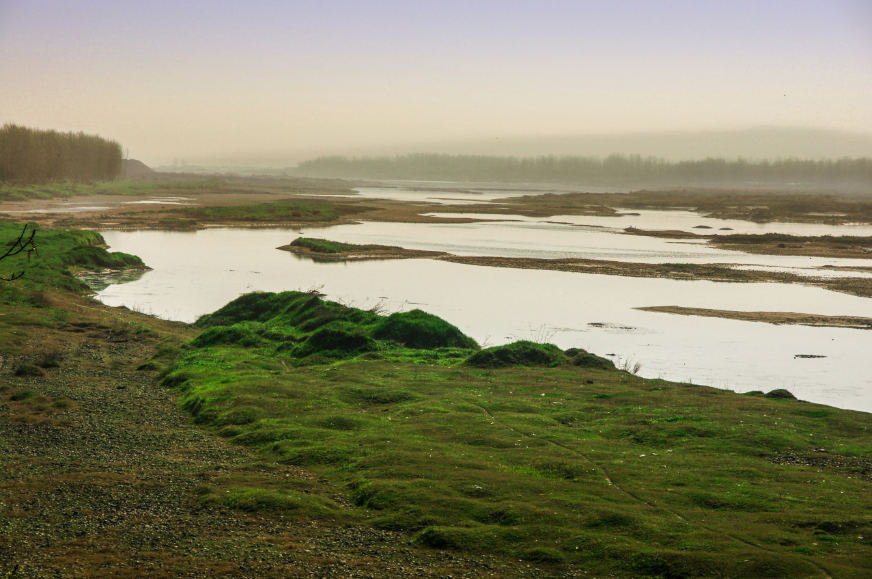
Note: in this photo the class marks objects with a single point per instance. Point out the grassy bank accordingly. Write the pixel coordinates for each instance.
(60, 254)
(525, 451)
(327, 246)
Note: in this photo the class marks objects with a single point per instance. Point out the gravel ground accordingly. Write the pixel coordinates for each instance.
(99, 478)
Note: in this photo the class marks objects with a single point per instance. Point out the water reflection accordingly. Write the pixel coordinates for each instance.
(101, 281)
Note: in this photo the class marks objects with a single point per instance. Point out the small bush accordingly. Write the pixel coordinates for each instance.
(23, 395)
(51, 360)
(29, 370)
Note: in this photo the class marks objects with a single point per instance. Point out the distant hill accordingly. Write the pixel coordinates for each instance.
(132, 168)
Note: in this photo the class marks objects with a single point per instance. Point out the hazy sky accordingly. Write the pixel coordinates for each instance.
(218, 81)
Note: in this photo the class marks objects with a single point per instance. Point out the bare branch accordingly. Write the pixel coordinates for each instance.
(24, 244)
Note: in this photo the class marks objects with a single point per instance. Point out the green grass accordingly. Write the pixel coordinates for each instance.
(60, 254)
(326, 246)
(311, 330)
(551, 465)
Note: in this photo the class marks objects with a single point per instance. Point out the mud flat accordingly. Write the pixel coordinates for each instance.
(712, 272)
(849, 247)
(783, 318)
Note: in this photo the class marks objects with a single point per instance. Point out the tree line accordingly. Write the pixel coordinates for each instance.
(611, 170)
(43, 156)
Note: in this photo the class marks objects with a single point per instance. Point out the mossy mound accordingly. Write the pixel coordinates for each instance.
(418, 329)
(522, 353)
(314, 330)
(584, 359)
(29, 370)
(780, 394)
(302, 310)
(252, 307)
(335, 343)
(325, 246)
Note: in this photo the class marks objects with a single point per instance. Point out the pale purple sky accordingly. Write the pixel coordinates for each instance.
(225, 81)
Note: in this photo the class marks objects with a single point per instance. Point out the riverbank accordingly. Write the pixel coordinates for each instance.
(844, 247)
(785, 318)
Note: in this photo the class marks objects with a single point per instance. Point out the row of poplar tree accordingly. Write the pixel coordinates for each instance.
(44, 156)
(591, 170)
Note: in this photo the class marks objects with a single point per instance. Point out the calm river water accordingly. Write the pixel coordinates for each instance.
(198, 272)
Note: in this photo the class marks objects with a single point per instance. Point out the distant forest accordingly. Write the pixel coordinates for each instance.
(612, 170)
(43, 156)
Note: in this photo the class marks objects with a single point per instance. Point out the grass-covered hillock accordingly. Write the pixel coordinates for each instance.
(583, 359)
(60, 254)
(520, 353)
(418, 329)
(546, 456)
(327, 246)
(313, 330)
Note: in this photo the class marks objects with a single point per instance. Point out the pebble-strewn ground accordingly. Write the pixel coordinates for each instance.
(99, 477)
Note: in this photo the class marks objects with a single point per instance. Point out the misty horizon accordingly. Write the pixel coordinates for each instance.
(266, 84)
(762, 143)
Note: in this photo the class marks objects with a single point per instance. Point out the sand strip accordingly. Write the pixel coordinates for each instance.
(787, 318)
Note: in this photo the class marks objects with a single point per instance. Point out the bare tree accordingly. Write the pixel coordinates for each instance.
(24, 244)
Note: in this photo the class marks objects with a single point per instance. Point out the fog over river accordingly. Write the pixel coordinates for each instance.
(198, 272)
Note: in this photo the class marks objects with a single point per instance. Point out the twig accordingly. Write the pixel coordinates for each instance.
(20, 245)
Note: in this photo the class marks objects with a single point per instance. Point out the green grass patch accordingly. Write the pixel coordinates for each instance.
(325, 246)
(59, 254)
